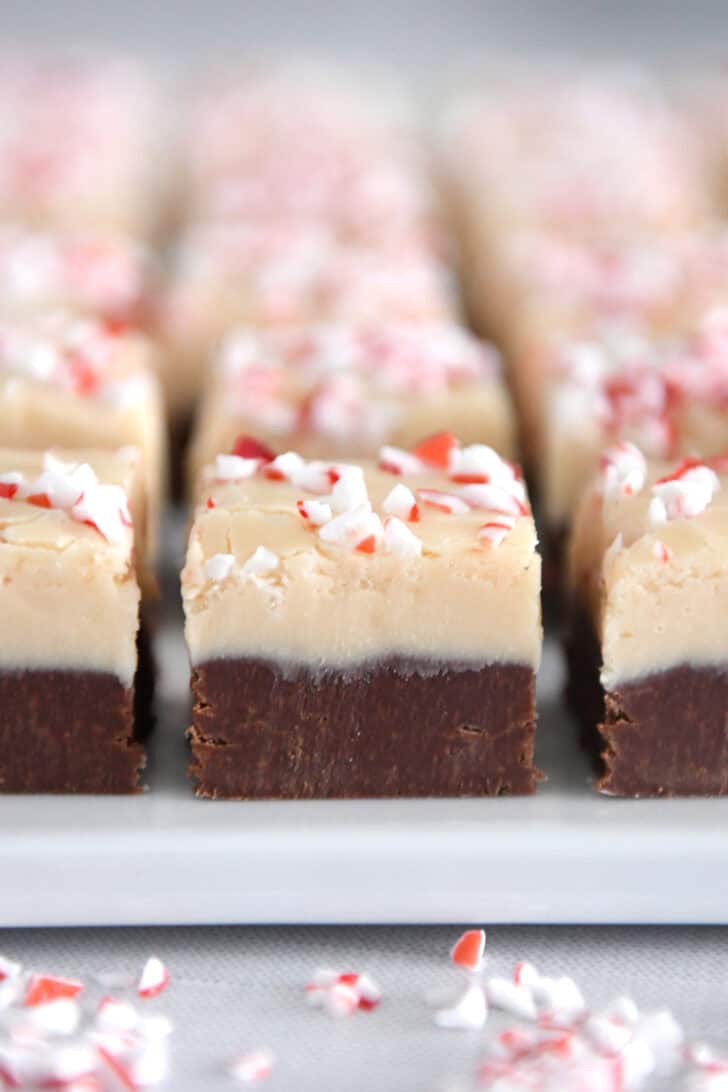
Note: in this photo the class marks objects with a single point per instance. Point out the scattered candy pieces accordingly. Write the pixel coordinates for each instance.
(469, 949)
(54, 1034)
(340, 994)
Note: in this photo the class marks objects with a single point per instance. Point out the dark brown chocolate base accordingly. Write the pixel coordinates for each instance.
(398, 728)
(75, 731)
(663, 735)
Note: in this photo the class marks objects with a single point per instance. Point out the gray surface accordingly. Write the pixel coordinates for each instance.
(417, 34)
(235, 989)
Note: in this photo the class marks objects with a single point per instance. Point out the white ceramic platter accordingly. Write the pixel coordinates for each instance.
(563, 855)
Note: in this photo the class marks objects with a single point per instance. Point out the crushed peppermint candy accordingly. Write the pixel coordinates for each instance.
(683, 494)
(341, 512)
(623, 470)
(74, 489)
(341, 994)
(57, 1032)
(469, 950)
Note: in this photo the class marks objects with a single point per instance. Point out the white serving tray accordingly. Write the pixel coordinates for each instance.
(563, 855)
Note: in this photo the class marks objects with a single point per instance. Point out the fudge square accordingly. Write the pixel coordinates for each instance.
(648, 651)
(365, 629)
(341, 391)
(68, 380)
(69, 621)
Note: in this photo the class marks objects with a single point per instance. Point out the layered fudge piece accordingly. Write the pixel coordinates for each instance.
(278, 275)
(309, 145)
(99, 273)
(648, 653)
(69, 609)
(584, 155)
(340, 391)
(72, 381)
(368, 629)
(82, 144)
(667, 395)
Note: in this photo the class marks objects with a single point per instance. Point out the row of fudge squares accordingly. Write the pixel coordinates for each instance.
(339, 618)
(364, 629)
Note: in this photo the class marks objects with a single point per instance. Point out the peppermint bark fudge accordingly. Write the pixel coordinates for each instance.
(648, 649)
(275, 274)
(69, 610)
(73, 381)
(668, 395)
(342, 391)
(363, 629)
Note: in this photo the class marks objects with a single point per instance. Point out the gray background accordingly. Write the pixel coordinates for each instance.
(425, 35)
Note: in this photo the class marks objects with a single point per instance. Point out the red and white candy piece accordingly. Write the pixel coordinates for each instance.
(624, 470)
(683, 494)
(443, 502)
(235, 468)
(340, 994)
(495, 531)
(9, 968)
(315, 512)
(153, 979)
(469, 949)
(401, 502)
(394, 460)
(661, 551)
(252, 1067)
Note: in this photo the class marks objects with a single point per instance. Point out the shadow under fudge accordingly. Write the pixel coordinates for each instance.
(662, 735)
(399, 727)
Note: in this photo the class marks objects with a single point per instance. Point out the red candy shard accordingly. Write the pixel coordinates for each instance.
(436, 450)
(389, 468)
(211, 502)
(470, 479)
(333, 475)
(119, 1070)
(414, 514)
(367, 545)
(153, 979)
(43, 988)
(84, 378)
(247, 447)
(8, 490)
(40, 500)
(468, 950)
(273, 474)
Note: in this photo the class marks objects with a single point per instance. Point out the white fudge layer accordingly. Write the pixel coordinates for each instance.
(324, 605)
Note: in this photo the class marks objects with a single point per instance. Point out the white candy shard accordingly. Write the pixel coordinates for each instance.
(317, 512)
(469, 1013)
(352, 527)
(400, 502)
(9, 968)
(495, 498)
(234, 468)
(624, 470)
(399, 540)
(105, 506)
(219, 566)
(260, 562)
(340, 999)
(350, 491)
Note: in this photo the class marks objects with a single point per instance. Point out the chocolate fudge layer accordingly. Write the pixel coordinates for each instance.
(340, 391)
(648, 655)
(363, 629)
(70, 597)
